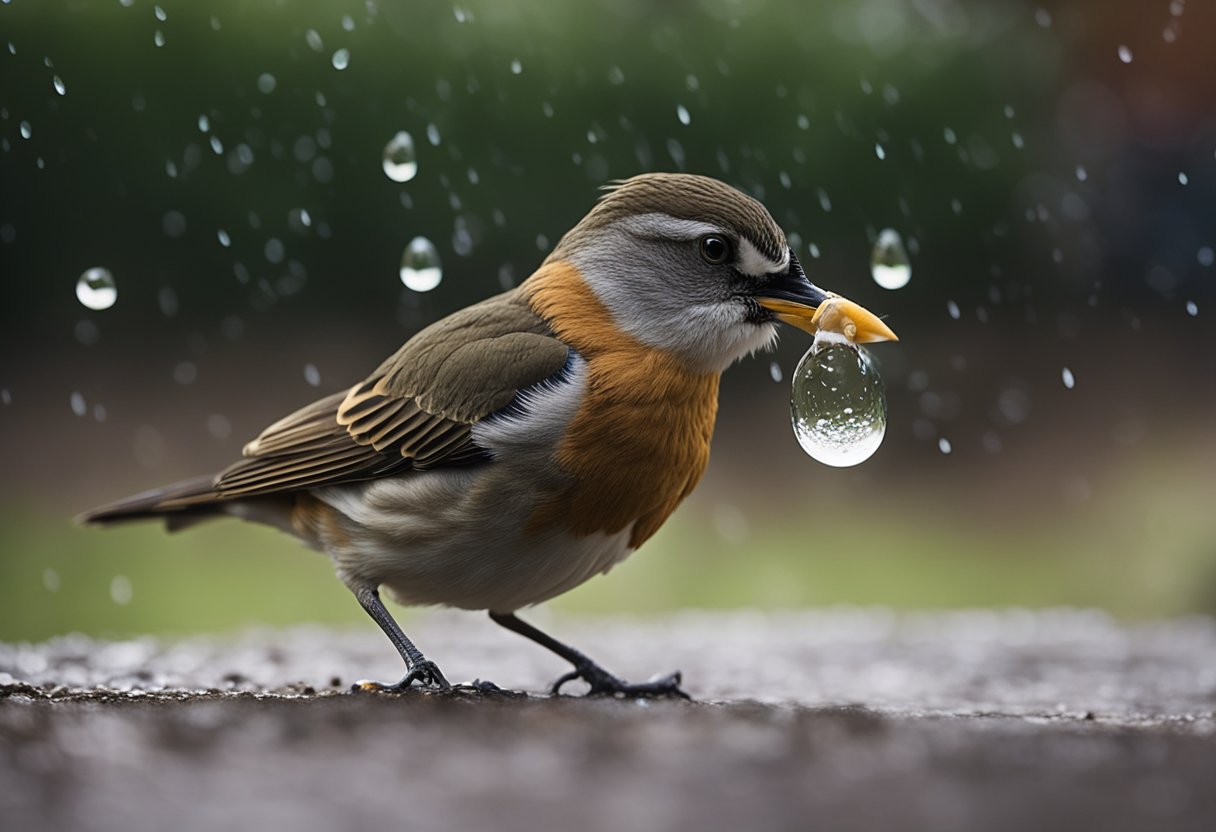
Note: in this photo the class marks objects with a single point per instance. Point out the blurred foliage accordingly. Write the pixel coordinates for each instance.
(1056, 201)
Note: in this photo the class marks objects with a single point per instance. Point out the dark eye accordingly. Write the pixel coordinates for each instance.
(715, 250)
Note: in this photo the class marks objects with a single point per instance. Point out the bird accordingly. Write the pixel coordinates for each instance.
(526, 443)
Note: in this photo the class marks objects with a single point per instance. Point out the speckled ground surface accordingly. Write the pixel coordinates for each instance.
(843, 719)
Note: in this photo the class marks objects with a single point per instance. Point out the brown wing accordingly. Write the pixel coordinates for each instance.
(414, 412)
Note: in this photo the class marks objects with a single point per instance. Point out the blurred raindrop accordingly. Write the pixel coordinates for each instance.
(266, 83)
(952, 308)
(420, 267)
(837, 404)
(59, 86)
(943, 445)
(1067, 377)
(774, 371)
(682, 114)
(121, 591)
(400, 158)
(341, 59)
(96, 288)
(1125, 54)
(79, 405)
(1192, 308)
(312, 375)
(889, 264)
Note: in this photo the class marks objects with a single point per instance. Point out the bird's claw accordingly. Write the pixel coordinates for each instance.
(604, 683)
(426, 673)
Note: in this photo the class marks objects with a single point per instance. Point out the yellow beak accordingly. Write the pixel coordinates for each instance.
(834, 314)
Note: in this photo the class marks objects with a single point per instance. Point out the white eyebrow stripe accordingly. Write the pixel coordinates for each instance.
(754, 264)
(665, 225)
(750, 261)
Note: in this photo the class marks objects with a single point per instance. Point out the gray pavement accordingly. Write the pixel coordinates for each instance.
(836, 719)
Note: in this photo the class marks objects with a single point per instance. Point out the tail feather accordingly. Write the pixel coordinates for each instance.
(181, 504)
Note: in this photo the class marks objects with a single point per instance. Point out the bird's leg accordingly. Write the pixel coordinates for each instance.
(601, 681)
(417, 666)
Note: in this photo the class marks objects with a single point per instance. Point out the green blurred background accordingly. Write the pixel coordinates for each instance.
(1052, 167)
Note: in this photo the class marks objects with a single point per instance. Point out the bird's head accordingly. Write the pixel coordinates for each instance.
(696, 268)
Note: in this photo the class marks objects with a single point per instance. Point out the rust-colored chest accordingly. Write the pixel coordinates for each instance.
(640, 440)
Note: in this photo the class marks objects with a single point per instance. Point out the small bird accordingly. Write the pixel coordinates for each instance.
(520, 446)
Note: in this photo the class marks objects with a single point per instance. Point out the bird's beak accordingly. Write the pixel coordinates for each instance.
(798, 302)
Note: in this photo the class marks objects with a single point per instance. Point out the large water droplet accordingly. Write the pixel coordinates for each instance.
(1125, 54)
(341, 59)
(889, 261)
(400, 158)
(60, 87)
(420, 269)
(837, 404)
(96, 288)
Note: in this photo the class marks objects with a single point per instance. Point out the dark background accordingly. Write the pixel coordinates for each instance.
(1060, 197)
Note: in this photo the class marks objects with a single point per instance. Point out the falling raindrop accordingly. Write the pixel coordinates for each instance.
(516, 67)
(223, 237)
(341, 59)
(400, 158)
(889, 264)
(420, 268)
(682, 114)
(953, 309)
(1192, 308)
(880, 152)
(944, 445)
(1125, 54)
(26, 130)
(158, 38)
(774, 371)
(432, 135)
(1082, 174)
(96, 288)
(121, 590)
(60, 88)
(267, 83)
(312, 375)
(1206, 256)
(837, 405)
(1183, 179)
(313, 40)
(1067, 377)
(79, 405)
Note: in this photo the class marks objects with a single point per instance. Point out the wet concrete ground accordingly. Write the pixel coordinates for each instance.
(843, 720)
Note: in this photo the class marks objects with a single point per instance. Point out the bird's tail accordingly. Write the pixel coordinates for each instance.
(179, 505)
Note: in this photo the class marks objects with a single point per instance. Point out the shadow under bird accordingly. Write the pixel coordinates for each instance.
(526, 443)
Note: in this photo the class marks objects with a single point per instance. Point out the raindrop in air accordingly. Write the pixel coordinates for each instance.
(26, 130)
(59, 85)
(774, 371)
(889, 263)
(837, 404)
(944, 445)
(1183, 179)
(400, 158)
(516, 67)
(1125, 54)
(341, 59)
(682, 114)
(953, 310)
(1067, 377)
(1192, 308)
(420, 269)
(96, 288)
(267, 83)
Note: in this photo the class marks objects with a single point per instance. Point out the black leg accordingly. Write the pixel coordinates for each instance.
(601, 681)
(417, 666)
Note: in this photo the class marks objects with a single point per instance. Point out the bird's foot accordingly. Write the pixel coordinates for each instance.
(604, 683)
(426, 673)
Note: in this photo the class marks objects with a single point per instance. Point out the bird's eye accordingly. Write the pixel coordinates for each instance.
(715, 250)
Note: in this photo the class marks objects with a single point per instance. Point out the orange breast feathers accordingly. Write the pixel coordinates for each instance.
(639, 442)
